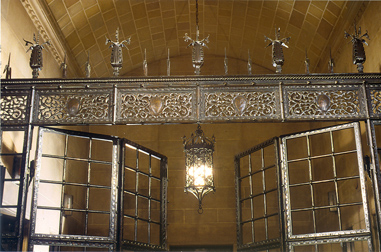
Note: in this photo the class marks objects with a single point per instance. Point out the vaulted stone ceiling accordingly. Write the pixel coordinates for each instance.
(238, 26)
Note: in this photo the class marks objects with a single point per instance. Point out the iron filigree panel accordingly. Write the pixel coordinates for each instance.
(156, 105)
(14, 108)
(245, 103)
(375, 100)
(73, 106)
(323, 102)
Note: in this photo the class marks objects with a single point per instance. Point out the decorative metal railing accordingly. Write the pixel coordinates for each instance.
(191, 99)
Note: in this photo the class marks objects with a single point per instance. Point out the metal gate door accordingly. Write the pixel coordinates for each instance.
(259, 219)
(325, 200)
(78, 197)
(14, 182)
(310, 197)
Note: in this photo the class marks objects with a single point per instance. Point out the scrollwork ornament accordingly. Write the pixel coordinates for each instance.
(73, 107)
(315, 103)
(240, 104)
(145, 106)
(376, 101)
(13, 108)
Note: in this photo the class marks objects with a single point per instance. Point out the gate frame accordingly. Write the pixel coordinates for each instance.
(113, 241)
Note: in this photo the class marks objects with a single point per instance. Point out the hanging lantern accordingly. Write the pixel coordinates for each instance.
(199, 179)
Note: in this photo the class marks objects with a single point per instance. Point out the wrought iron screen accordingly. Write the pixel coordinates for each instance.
(259, 224)
(80, 184)
(12, 190)
(324, 188)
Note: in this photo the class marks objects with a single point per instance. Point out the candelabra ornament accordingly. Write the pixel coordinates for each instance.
(331, 63)
(8, 69)
(36, 59)
(226, 64)
(64, 68)
(199, 175)
(87, 66)
(277, 52)
(197, 51)
(358, 52)
(116, 53)
(248, 63)
(307, 64)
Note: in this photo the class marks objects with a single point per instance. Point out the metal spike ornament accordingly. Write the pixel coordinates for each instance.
(331, 63)
(168, 65)
(88, 67)
(145, 65)
(307, 64)
(249, 63)
(8, 69)
(36, 59)
(277, 52)
(64, 68)
(226, 64)
(197, 51)
(358, 54)
(116, 53)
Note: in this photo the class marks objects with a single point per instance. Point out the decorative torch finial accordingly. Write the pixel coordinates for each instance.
(116, 53)
(277, 43)
(36, 59)
(358, 52)
(197, 52)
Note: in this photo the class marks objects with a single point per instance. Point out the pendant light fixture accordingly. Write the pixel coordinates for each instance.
(199, 174)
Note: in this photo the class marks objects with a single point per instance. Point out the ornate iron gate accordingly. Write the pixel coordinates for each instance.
(259, 218)
(325, 169)
(14, 179)
(322, 200)
(79, 194)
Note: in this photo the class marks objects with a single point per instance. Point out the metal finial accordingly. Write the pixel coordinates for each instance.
(168, 65)
(277, 52)
(331, 63)
(36, 59)
(226, 63)
(64, 67)
(145, 65)
(307, 64)
(116, 53)
(248, 62)
(358, 52)
(88, 67)
(8, 69)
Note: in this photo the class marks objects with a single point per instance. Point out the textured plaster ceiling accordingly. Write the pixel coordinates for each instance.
(238, 26)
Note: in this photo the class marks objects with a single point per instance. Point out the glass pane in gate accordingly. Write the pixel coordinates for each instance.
(257, 196)
(75, 190)
(324, 182)
(11, 176)
(143, 193)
